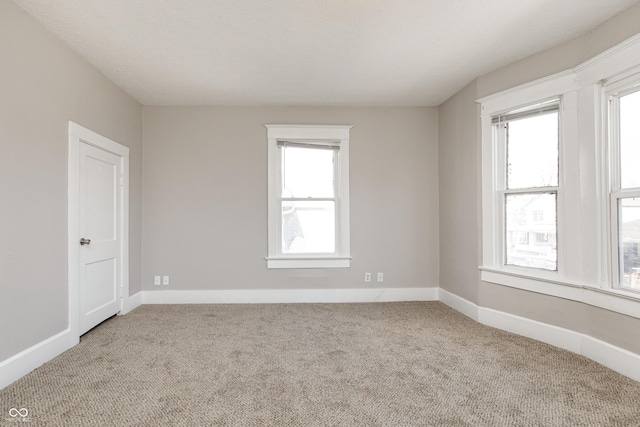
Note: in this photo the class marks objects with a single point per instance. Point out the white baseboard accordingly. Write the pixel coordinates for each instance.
(459, 304)
(275, 296)
(550, 334)
(615, 358)
(26, 361)
(132, 302)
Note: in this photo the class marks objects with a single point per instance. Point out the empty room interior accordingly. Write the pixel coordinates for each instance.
(334, 212)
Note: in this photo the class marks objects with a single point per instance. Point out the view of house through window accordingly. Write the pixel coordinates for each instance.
(530, 137)
(628, 195)
(308, 199)
(531, 243)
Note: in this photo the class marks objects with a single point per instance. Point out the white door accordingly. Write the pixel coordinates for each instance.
(100, 226)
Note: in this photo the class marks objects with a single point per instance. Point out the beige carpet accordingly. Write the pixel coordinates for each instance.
(392, 364)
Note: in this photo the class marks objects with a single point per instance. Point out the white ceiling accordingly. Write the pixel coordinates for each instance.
(310, 52)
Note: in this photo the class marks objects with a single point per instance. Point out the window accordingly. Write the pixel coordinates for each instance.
(561, 183)
(308, 196)
(624, 141)
(529, 139)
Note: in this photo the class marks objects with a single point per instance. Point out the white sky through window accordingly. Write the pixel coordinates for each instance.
(532, 152)
(630, 140)
(308, 172)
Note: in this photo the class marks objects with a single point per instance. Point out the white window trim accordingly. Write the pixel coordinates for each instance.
(342, 256)
(493, 162)
(613, 89)
(584, 125)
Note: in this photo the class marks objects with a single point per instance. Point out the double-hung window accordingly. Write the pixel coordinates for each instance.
(561, 183)
(624, 142)
(528, 143)
(308, 196)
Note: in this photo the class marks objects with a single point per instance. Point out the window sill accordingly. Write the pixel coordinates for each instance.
(308, 262)
(617, 300)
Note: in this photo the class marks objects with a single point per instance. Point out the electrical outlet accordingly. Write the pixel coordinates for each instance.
(165, 280)
(367, 277)
(380, 277)
(156, 280)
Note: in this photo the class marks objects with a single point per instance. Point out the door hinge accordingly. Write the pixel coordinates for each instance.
(121, 181)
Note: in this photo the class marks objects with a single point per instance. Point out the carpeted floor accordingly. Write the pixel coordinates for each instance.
(386, 364)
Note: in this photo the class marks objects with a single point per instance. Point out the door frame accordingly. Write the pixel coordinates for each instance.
(77, 135)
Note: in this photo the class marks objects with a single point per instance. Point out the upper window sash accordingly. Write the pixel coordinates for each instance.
(531, 142)
(289, 180)
(505, 153)
(624, 138)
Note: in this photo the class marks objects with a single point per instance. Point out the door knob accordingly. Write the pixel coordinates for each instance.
(84, 241)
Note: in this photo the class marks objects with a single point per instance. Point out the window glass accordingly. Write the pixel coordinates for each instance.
(308, 227)
(530, 242)
(307, 172)
(630, 140)
(532, 151)
(629, 242)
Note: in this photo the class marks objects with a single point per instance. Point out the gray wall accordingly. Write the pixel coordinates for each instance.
(205, 197)
(458, 119)
(459, 193)
(44, 84)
